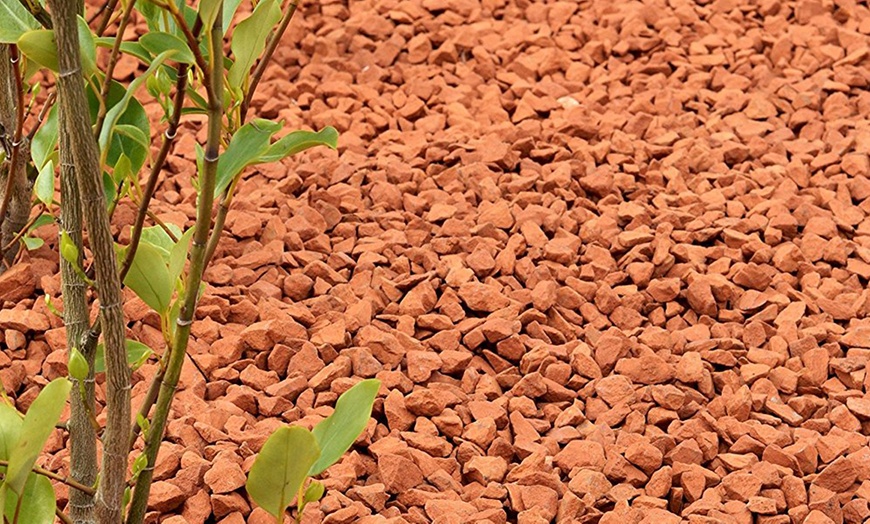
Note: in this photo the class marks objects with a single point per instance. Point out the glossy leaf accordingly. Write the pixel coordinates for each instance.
(158, 42)
(114, 114)
(42, 220)
(39, 45)
(15, 20)
(131, 48)
(122, 169)
(43, 187)
(159, 238)
(38, 424)
(88, 47)
(78, 365)
(281, 468)
(68, 249)
(230, 7)
(249, 41)
(37, 503)
(178, 255)
(32, 243)
(137, 354)
(132, 131)
(208, 10)
(298, 141)
(313, 492)
(247, 145)
(10, 429)
(44, 143)
(337, 433)
(149, 277)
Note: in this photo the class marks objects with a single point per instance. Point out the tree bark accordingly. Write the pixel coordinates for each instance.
(83, 438)
(85, 155)
(18, 200)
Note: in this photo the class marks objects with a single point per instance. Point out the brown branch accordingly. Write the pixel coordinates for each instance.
(60, 478)
(110, 67)
(271, 45)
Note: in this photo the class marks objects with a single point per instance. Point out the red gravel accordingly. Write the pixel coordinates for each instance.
(609, 261)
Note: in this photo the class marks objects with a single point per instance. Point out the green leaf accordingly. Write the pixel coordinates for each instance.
(245, 148)
(178, 255)
(139, 465)
(44, 185)
(42, 220)
(122, 169)
(113, 115)
(37, 427)
(132, 132)
(32, 243)
(15, 20)
(158, 42)
(249, 41)
(37, 503)
(44, 143)
(151, 13)
(130, 48)
(298, 141)
(208, 10)
(88, 47)
(10, 429)
(137, 353)
(68, 249)
(197, 99)
(159, 238)
(313, 492)
(230, 7)
(337, 433)
(281, 468)
(78, 366)
(38, 45)
(149, 277)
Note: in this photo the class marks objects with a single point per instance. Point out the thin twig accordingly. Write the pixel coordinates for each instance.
(109, 8)
(157, 166)
(60, 478)
(271, 45)
(190, 36)
(40, 119)
(35, 8)
(110, 67)
(23, 231)
(62, 516)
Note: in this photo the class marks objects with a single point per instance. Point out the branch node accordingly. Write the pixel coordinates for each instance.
(70, 72)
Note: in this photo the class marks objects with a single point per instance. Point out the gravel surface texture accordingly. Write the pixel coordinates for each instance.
(608, 258)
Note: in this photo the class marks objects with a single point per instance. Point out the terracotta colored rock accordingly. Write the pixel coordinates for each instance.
(398, 473)
(425, 402)
(700, 296)
(485, 469)
(838, 475)
(482, 297)
(224, 476)
(648, 369)
(23, 320)
(645, 456)
(741, 486)
(580, 454)
(17, 283)
(164, 497)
